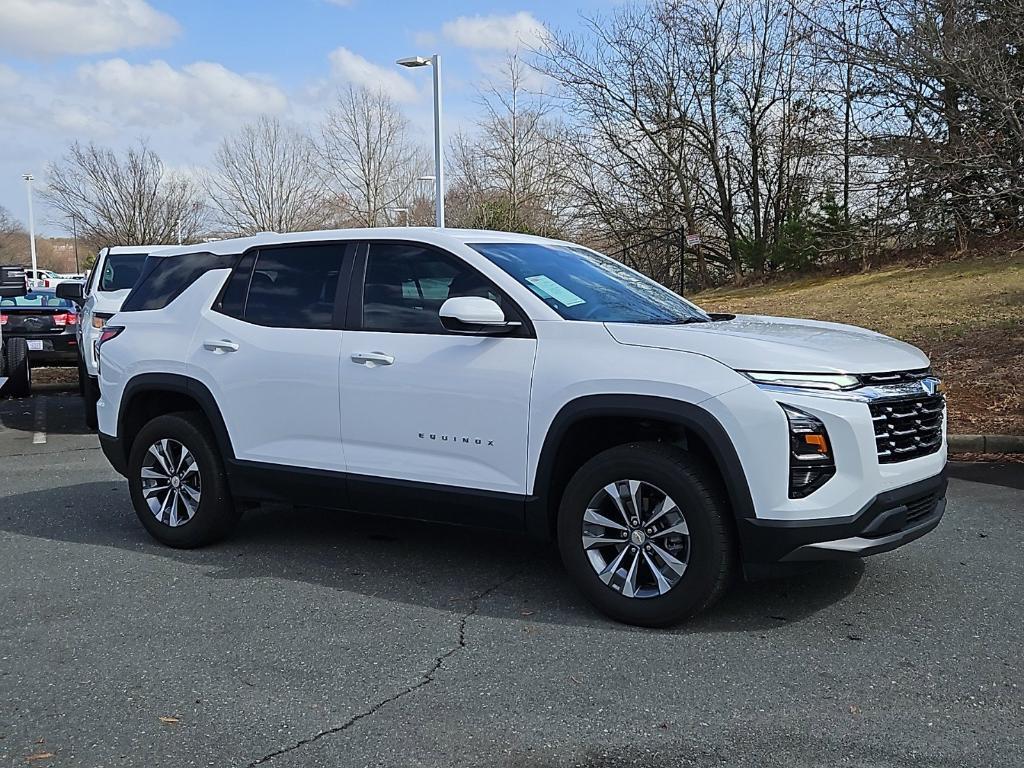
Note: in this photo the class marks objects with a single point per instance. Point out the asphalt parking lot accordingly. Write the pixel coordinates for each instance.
(323, 639)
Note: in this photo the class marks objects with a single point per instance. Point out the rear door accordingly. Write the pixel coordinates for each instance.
(268, 350)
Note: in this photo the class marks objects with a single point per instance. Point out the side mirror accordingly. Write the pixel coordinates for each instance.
(71, 289)
(475, 314)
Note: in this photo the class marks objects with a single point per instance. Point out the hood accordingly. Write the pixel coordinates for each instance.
(109, 301)
(779, 344)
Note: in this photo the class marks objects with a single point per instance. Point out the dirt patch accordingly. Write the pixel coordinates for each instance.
(55, 375)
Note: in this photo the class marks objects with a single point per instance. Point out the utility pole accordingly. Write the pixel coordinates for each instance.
(29, 178)
(74, 231)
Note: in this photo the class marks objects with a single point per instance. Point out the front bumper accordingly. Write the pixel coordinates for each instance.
(890, 520)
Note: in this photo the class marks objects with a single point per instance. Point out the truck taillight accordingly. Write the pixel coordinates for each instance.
(3, 319)
(65, 318)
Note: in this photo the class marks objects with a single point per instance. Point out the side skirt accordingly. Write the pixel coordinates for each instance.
(377, 495)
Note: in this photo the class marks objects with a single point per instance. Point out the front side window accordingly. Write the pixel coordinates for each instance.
(292, 287)
(580, 284)
(406, 285)
(121, 271)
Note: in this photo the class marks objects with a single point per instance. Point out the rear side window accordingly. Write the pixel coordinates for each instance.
(164, 279)
(294, 287)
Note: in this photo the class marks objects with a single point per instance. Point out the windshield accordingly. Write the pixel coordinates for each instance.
(38, 300)
(580, 284)
(121, 270)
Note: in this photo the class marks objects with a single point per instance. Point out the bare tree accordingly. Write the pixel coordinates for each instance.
(511, 169)
(267, 177)
(368, 157)
(13, 238)
(124, 200)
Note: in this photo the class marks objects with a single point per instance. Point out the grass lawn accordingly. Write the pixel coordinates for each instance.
(967, 315)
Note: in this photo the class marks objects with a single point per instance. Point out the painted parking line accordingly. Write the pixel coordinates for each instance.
(39, 438)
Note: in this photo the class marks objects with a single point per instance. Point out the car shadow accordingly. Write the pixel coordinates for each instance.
(55, 410)
(445, 568)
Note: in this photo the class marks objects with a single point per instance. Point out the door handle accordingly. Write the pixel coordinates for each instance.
(220, 346)
(372, 358)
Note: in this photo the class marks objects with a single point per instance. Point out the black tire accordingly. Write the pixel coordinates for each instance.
(90, 396)
(19, 372)
(216, 514)
(82, 375)
(695, 488)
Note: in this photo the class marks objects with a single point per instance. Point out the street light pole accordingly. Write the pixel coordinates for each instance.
(28, 177)
(435, 62)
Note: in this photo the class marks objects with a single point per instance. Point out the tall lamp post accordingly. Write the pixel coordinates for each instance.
(29, 178)
(435, 62)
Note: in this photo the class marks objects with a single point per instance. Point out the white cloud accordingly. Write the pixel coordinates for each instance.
(350, 67)
(204, 91)
(63, 27)
(495, 32)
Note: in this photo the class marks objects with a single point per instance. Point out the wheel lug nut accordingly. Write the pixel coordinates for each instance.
(635, 522)
(648, 548)
(632, 548)
(650, 531)
(625, 534)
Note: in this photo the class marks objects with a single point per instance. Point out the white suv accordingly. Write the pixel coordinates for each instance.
(112, 277)
(520, 383)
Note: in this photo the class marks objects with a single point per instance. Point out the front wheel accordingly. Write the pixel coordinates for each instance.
(177, 482)
(644, 532)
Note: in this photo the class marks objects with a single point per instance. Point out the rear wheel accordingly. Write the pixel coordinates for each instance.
(19, 372)
(644, 533)
(177, 482)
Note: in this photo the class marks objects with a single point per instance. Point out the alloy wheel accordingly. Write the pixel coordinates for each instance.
(171, 482)
(636, 538)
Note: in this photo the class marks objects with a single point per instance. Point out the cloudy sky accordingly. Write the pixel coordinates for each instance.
(182, 73)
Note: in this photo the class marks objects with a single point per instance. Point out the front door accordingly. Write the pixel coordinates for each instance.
(420, 403)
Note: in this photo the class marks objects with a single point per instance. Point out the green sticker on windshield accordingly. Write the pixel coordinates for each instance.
(548, 288)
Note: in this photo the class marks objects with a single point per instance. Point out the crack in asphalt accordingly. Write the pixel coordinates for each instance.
(41, 453)
(426, 678)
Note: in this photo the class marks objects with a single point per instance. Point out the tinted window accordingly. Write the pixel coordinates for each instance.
(164, 279)
(580, 284)
(295, 287)
(38, 299)
(120, 271)
(232, 300)
(406, 285)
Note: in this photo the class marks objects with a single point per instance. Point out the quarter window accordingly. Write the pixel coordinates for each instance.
(406, 285)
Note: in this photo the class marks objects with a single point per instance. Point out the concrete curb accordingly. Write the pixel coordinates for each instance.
(986, 443)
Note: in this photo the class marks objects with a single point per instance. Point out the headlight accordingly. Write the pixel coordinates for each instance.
(811, 463)
(828, 381)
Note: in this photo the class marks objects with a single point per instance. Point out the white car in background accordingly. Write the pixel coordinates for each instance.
(111, 279)
(46, 278)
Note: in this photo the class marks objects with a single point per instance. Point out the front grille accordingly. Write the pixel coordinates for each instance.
(907, 427)
(919, 508)
(894, 377)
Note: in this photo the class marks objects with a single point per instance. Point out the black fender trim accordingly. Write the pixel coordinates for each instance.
(118, 448)
(702, 423)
